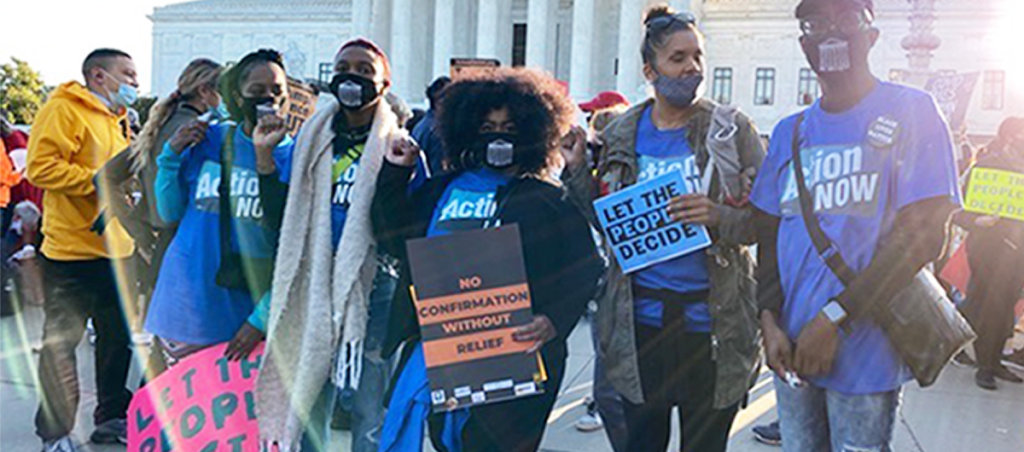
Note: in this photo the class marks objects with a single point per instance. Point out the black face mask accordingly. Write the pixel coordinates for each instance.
(353, 91)
(251, 107)
(493, 149)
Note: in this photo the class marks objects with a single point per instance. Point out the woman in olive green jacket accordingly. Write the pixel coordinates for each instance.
(682, 332)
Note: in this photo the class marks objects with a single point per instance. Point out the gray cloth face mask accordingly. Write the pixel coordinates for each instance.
(681, 92)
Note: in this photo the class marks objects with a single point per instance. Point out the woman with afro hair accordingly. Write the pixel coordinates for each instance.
(502, 132)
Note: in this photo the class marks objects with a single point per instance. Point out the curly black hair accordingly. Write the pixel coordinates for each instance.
(231, 80)
(536, 102)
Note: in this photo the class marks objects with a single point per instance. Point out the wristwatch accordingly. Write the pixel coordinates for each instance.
(834, 312)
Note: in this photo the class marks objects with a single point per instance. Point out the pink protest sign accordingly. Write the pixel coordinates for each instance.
(205, 403)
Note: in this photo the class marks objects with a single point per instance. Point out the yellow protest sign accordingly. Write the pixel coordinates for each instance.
(996, 192)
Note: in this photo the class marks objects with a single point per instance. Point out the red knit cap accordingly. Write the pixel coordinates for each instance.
(372, 47)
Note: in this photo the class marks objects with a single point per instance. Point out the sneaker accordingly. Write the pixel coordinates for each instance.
(591, 421)
(768, 434)
(1002, 373)
(60, 445)
(985, 379)
(114, 431)
(1016, 358)
(964, 360)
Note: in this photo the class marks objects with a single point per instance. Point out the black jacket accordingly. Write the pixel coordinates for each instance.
(562, 267)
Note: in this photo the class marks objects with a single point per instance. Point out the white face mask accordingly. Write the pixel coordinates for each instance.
(834, 55)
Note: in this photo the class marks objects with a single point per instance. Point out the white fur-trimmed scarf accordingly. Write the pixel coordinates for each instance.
(318, 295)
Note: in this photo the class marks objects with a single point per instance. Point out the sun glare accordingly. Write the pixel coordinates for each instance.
(1007, 37)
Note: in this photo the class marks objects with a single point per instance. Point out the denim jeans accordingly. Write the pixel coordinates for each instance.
(814, 419)
(367, 403)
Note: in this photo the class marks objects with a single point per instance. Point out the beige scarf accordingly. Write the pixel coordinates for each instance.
(318, 295)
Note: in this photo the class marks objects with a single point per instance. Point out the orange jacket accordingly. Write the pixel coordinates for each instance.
(8, 177)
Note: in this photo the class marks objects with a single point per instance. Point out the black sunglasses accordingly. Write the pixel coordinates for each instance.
(664, 21)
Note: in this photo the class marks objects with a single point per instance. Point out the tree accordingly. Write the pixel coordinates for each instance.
(21, 91)
(142, 105)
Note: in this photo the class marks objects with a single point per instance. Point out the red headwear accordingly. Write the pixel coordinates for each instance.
(372, 47)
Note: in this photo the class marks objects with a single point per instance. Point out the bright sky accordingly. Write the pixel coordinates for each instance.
(54, 36)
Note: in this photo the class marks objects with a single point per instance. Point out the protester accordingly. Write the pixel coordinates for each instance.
(602, 101)
(426, 133)
(417, 115)
(78, 129)
(16, 143)
(599, 120)
(20, 257)
(681, 333)
(218, 263)
(604, 407)
(9, 178)
(996, 258)
(889, 142)
(337, 156)
(480, 117)
(136, 169)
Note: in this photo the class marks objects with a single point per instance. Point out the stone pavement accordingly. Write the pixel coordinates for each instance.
(952, 416)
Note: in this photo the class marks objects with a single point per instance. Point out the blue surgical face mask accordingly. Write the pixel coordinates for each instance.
(221, 112)
(125, 96)
(681, 92)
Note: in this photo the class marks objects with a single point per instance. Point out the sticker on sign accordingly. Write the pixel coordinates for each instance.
(498, 385)
(525, 388)
(479, 397)
(437, 397)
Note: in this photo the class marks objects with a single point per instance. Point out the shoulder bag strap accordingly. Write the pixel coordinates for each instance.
(822, 243)
(227, 158)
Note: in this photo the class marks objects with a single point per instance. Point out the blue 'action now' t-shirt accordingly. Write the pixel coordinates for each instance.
(661, 151)
(468, 202)
(188, 305)
(343, 179)
(862, 166)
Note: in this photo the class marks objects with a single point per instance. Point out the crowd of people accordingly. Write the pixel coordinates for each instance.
(211, 224)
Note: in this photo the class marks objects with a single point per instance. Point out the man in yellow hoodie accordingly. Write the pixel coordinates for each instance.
(75, 133)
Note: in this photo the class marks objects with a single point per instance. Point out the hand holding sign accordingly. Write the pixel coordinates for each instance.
(539, 331)
(244, 342)
(641, 229)
(694, 208)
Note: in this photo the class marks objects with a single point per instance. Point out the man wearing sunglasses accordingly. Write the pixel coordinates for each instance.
(881, 181)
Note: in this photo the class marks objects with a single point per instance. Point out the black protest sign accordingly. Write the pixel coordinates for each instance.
(470, 293)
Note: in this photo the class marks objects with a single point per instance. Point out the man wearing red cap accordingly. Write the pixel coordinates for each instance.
(603, 100)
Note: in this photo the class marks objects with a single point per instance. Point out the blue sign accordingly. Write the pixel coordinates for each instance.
(637, 226)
